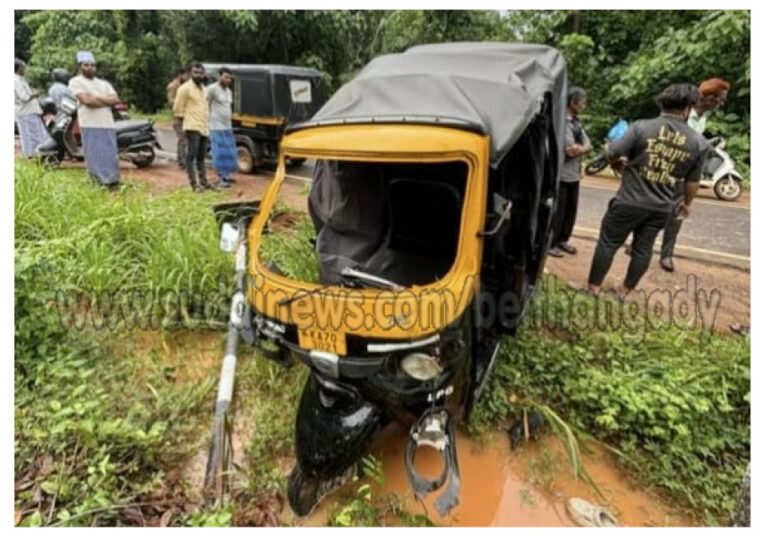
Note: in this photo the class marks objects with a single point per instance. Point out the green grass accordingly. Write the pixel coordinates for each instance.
(288, 245)
(96, 435)
(125, 244)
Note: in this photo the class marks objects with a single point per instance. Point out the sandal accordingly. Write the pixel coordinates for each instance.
(588, 514)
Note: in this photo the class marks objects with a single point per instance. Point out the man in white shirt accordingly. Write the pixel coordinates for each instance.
(28, 111)
(95, 99)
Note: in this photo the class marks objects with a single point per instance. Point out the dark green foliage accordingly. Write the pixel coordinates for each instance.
(677, 408)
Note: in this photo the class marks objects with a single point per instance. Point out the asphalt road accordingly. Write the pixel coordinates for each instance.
(717, 230)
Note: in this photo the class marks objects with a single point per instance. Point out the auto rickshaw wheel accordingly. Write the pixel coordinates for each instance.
(296, 161)
(303, 492)
(245, 160)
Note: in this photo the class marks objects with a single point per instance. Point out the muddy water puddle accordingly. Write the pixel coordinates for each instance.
(529, 487)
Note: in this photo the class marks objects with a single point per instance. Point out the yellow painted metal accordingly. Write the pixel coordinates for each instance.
(252, 120)
(416, 311)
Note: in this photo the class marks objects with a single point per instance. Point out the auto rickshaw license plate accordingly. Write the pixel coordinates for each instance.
(323, 340)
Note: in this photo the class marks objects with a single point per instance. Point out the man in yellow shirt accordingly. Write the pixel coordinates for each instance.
(192, 104)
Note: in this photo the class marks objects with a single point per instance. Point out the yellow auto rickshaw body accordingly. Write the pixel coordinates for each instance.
(387, 314)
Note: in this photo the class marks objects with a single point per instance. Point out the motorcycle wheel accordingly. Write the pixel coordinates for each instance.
(597, 165)
(728, 188)
(143, 157)
(50, 162)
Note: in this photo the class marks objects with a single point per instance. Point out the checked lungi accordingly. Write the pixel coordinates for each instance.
(100, 148)
(31, 133)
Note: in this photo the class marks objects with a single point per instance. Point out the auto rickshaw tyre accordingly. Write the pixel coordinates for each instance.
(721, 188)
(297, 161)
(245, 159)
(146, 158)
(303, 492)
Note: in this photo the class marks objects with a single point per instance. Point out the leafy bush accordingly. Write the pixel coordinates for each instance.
(676, 408)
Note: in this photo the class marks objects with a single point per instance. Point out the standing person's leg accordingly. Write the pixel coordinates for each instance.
(193, 143)
(181, 142)
(31, 133)
(202, 150)
(224, 155)
(557, 220)
(671, 230)
(619, 220)
(228, 156)
(569, 218)
(100, 151)
(642, 247)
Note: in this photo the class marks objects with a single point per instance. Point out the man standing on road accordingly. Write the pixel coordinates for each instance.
(576, 144)
(191, 104)
(222, 137)
(658, 156)
(28, 111)
(181, 140)
(712, 95)
(97, 125)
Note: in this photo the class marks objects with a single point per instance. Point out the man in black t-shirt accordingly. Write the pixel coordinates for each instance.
(662, 158)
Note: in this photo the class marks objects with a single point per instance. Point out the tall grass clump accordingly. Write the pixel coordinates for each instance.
(128, 244)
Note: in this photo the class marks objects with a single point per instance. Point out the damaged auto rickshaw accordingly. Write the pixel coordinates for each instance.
(431, 202)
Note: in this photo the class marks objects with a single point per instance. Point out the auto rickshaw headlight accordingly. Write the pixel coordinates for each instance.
(420, 366)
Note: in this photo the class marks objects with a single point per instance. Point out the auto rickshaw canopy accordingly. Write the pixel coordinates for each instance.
(492, 88)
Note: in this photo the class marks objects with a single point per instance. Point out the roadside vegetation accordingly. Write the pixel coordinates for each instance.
(105, 434)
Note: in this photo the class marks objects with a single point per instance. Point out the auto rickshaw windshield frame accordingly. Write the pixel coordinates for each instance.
(382, 143)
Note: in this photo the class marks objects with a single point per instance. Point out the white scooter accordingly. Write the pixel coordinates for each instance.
(720, 173)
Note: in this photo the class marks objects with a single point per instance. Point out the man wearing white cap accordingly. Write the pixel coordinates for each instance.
(97, 125)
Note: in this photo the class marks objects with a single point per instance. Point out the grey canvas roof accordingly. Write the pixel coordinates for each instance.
(492, 88)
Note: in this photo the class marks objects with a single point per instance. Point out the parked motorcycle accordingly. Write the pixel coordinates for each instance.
(136, 139)
(600, 162)
(720, 172)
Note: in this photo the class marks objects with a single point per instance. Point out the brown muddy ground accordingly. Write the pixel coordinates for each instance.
(529, 487)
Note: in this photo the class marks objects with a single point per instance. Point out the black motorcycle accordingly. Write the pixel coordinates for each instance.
(136, 139)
